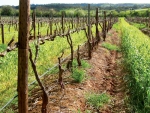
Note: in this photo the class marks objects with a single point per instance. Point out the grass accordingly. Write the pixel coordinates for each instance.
(48, 54)
(3, 47)
(140, 26)
(84, 64)
(97, 100)
(110, 46)
(78, 75)
(136, 52)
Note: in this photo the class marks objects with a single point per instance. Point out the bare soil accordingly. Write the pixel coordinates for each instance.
(105, 75)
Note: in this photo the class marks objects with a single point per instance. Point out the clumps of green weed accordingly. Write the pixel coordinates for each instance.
(3, 47)
(78, 75)
(84, 64)
(110, 46)
(140, 26)
(98, 100)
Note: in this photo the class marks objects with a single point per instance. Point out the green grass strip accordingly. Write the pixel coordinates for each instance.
(136, 53)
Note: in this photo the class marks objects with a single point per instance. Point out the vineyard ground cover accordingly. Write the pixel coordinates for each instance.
(8, 64)
(136, 53)
(9, 34)
(142, 26)
(104, 76)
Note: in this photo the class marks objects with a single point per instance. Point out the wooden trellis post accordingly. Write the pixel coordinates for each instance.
(23, 46)
(149, 21)
(38, 27)
(72, 22)
(77, 20)
(2, 31)
(34, 25)
(89, 33)
(104, 26)
(0, 19)
(62, 22)
(97, 32)
(110, 24)
(51, 24)
(89, 23)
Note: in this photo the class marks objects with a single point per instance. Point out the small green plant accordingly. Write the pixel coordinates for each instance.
(88, 111)
(79, 111)
(78, 75)
(10, 111)
(3, 47)
(110, 46)
(74, 63)
(84, 63)
(98, 100)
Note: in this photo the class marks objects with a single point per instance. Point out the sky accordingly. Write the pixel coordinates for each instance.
(16, 2)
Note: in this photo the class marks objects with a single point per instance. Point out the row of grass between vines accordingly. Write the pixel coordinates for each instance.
(135, 47)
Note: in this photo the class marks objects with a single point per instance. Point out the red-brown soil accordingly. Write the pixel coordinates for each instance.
(105, 75)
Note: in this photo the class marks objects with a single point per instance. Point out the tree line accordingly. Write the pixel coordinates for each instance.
(55, 10)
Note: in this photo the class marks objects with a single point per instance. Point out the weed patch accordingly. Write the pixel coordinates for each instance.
(98, 100)
(110, 46)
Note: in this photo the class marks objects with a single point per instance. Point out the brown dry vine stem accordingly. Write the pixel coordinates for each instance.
(49, 38)
(69, 40)
(89, 45)
(33, 26)
(37, 48)
(104, 26)
(9, 47)
(100, 25)
(60, 79)
(47, 31)
(45, 95)
(93, 40)
(96, 24)
(78, 56)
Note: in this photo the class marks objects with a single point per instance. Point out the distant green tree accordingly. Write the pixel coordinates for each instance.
(52, 11)
(63, 12)
(79, 12)
(135, 6)
(114, 13)
(7, 10)
(38, 13)
(147, 13)
(135, 14)
(70, 13)
(144, 13)
(141, 13)
(122, 14)
(58, 14)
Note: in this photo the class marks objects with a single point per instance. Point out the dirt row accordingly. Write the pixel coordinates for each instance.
(105, 75)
